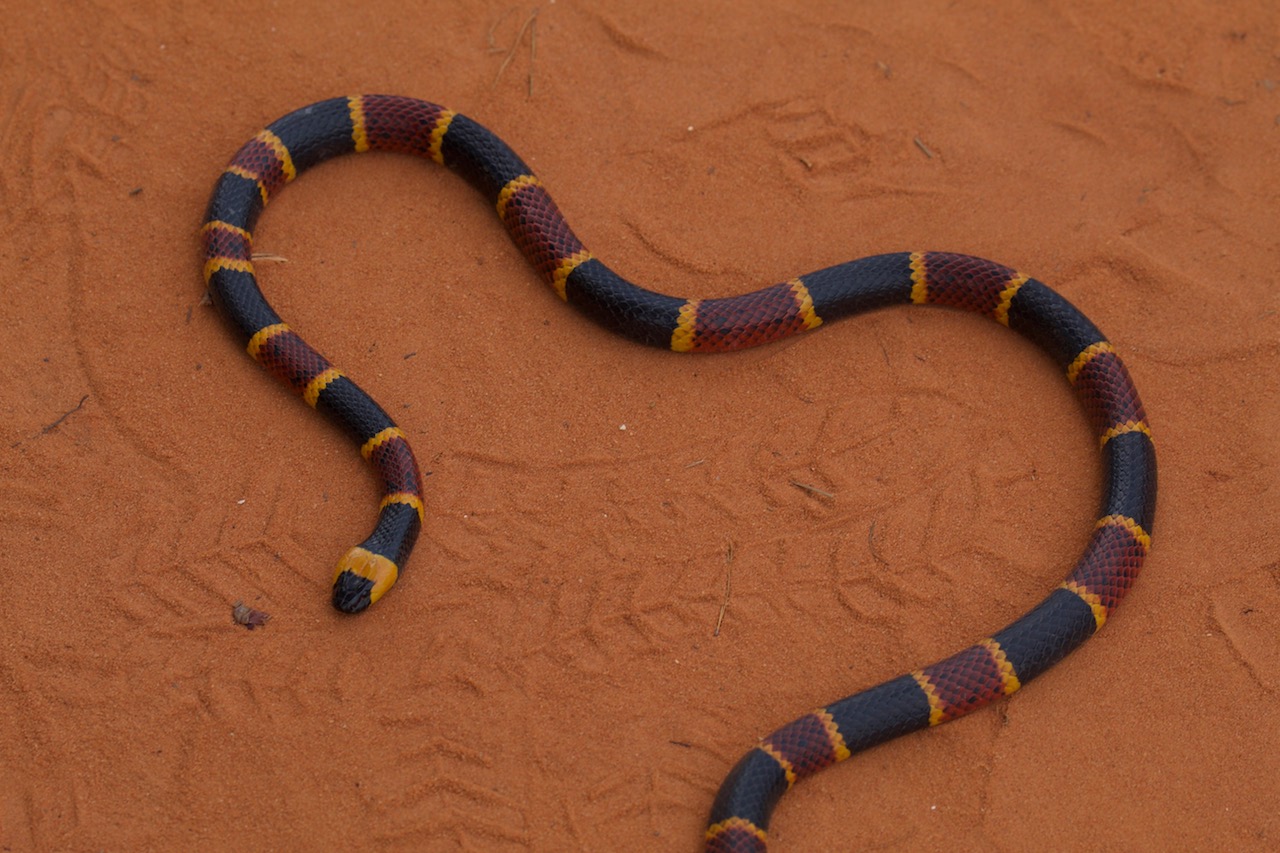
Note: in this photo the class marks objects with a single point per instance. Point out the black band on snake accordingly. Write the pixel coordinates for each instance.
(995, 666)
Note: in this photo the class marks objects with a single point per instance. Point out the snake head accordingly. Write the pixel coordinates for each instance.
(361, 578)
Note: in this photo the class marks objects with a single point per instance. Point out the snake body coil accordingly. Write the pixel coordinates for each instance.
(994, 667)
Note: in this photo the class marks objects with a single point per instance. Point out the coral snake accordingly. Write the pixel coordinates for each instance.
(994, 667)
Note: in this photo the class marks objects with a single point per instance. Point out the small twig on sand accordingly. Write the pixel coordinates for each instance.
(48, 428)
(925, 148)
(871, 546)
(728, 588)
(528, 22)
(812, 489)
(533, 47)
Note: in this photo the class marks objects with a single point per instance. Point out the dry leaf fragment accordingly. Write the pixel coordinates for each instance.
(247, 616)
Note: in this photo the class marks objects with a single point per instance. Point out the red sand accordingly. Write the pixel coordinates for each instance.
(546, 676)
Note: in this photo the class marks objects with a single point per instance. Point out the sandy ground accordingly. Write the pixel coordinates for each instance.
(547, 675)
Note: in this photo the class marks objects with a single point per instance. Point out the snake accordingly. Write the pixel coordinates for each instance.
(994, 667)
